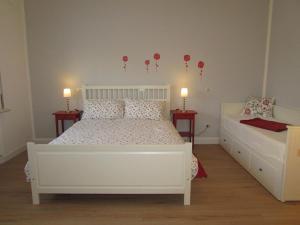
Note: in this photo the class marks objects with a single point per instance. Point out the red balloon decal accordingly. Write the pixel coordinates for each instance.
(147, 62)
(201, 66)
(125, 60)
(156, 56)
(186, 58)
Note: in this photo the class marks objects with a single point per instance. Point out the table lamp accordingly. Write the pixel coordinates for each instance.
(67, 95)
(184, 94)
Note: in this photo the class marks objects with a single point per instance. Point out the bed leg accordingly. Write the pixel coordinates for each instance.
(35, 198)
(187, 198)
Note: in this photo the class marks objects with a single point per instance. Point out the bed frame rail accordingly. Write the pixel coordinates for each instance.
(110, 169)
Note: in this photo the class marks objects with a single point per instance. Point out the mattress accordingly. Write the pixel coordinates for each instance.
(268, 143)
(121, 131)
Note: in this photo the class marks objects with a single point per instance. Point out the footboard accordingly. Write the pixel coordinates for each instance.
(110, 169)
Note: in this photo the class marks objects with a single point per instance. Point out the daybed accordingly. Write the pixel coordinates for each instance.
(272, 158)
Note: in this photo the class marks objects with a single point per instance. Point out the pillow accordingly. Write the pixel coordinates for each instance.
(252, 106)
(142, 109)
(259, 107)
(103, 109)
(267, 107)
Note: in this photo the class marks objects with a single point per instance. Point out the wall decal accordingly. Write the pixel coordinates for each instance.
(125, 60)
(147, 62)
(156, 56)
(201, 66)
(186, 58)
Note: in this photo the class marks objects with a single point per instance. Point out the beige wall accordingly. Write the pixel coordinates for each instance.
(15, 125)
(284, 67)
(75, 42)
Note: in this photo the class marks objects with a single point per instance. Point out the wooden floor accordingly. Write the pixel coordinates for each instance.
(229, 196)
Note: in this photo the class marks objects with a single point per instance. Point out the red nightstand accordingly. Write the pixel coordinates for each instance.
(63, 115)
(185, 115)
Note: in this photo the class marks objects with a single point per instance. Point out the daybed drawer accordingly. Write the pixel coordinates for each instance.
(225, 140)
(241, 154)
(265, 174)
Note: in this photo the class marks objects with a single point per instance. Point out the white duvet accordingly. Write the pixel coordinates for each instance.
(121, 131)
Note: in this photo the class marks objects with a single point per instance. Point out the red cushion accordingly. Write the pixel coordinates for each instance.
(266, 124)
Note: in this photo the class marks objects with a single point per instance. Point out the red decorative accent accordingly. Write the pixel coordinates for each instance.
(156, 56)
(186, 58)
(201, 171)
(147, 62)
(201, 66)
(125, 60)
(266, 124)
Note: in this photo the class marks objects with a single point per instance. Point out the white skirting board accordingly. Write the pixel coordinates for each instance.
(198, 140)
(207, 140)
(12, 154)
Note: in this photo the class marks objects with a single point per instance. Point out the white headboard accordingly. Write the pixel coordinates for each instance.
(145, 92)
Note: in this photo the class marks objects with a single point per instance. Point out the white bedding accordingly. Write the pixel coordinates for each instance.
(121, 131)
(268, 143)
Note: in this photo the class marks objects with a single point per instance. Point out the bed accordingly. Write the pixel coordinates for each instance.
(153, 159)
(273, 158)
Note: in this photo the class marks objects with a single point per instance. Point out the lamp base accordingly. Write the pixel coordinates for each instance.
(184, 102)
(68, 105)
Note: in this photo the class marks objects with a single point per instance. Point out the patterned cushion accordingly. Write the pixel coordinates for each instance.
(103, 109)
(252, 106)
(259, 107)
(267, 107)
(142, 109)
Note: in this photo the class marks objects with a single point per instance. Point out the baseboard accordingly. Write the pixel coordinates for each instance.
(12, 154)
(207, 140)
(42, 140)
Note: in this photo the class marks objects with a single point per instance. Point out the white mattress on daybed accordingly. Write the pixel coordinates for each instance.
(268, 143)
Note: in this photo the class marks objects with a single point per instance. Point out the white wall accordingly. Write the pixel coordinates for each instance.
(15, 125)
(284, 67)
(75, 42)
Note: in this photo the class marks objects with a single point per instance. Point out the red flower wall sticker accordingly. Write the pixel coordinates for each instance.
(147, 62)
(125, 60)
(186, 58)
(156, 57)
(201, 66)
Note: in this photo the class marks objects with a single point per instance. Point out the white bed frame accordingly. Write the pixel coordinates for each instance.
(280, 178)
(112, 169)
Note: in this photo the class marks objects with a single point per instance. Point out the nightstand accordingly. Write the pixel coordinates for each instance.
(63, 115)
(185, 115)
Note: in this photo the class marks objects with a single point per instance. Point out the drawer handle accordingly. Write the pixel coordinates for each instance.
(239, 152)
(224, 140)
(260, 169)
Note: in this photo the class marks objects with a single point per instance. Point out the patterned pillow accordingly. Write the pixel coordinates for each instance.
(103, 109)
(252, 106)
(260, 107)
(142, 109)
(267, 107)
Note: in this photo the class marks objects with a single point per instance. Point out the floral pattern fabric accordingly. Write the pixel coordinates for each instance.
(259, 107)
(103, 109)
(121, 131)
(142, 109)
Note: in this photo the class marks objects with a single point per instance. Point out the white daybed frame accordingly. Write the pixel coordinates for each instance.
(112, 169)
(280, 178)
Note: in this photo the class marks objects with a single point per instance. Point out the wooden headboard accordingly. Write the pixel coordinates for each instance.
(144, 92)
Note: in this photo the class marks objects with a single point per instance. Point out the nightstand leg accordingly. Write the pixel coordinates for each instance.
(63, 125)
(193, 131)
(56, 124)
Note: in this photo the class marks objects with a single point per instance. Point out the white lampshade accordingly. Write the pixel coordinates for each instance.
(184, 92)
(67, 92)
